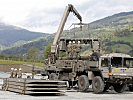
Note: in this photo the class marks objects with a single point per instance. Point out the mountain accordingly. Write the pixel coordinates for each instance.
(11, 35)
(114, 20)
(115, 33)
(21, 50)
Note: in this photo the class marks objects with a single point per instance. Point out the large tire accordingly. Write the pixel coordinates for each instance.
(53, 76)
(97, 85)
(83, 83)
(119, 88)
(130, 88)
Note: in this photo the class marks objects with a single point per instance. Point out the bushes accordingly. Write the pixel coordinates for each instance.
(122, 33)
(121, 47)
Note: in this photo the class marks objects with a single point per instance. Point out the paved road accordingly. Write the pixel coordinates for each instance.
(5, 95)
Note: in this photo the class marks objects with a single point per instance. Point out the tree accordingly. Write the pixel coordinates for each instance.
(122, 32)
(47, 50)
(32, 53)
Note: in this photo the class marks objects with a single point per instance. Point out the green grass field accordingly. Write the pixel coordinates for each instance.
(39, 64)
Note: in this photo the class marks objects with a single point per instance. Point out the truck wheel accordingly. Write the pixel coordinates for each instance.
(83, 83)
(97, 84)
(53, 76)
(131, 88)
(119, 87)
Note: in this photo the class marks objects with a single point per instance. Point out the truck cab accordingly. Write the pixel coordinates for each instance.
(117, 71)
(116, 64)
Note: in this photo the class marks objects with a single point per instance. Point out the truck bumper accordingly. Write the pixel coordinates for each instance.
(121, 79)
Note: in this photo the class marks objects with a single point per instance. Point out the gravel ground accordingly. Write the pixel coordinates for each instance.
(5, 95)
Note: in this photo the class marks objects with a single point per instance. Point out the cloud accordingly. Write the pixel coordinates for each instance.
(45, 15)
(96, 9)
(47, 19)
(43, 19)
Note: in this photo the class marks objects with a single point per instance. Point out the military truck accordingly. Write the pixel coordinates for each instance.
(73, 67)
(100, 71)
(115, 69)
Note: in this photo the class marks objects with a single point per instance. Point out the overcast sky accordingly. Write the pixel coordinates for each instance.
(45, 15)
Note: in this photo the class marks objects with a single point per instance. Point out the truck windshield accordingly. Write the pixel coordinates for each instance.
(116, 61)
(128, 62)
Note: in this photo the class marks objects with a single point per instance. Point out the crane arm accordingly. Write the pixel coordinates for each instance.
(68, 9)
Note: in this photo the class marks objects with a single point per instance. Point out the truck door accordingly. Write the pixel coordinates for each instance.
(104, 66)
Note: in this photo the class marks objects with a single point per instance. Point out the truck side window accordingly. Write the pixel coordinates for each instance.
(128, 62)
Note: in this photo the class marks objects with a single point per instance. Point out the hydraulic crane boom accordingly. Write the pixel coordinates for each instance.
(68, 9)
